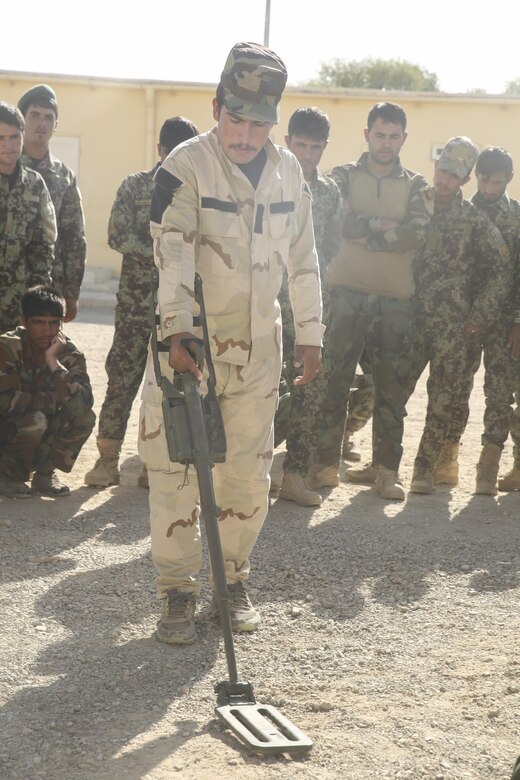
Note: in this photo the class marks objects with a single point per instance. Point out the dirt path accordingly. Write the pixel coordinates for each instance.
(390, 631)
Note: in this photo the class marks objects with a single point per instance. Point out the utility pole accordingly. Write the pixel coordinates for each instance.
(267, 22)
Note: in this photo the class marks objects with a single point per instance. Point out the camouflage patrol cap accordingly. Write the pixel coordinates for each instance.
(253, 81)
(458, 156)
(40, 95)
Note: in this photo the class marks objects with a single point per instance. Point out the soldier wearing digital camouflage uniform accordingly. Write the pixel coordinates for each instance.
(463, 277)
(387, 209)
(494, 170)
(27, 221)
(129, 233)
(40, 109)
(45, 399)
(234, 207)
(307, 137)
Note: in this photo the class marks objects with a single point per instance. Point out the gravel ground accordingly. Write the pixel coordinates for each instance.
(390, 630)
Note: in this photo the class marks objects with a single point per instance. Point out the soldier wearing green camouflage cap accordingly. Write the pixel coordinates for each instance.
(39, 106)
(235, 208)
(463, 278)
(27, 221)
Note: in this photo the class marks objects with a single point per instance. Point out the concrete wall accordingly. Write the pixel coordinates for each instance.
(118, 122)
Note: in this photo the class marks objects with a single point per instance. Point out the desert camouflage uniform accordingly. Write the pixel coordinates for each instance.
(500, 370)
(129, 233)
(362, 316)
(45, 418)
(207, 217)
(27, 236)
(463, 273)
(71, 246)
(298, 420)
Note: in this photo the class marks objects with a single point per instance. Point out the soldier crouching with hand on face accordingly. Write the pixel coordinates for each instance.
(45, 399)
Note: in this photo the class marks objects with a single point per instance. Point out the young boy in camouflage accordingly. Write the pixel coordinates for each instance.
(45, 399)
(129, 233)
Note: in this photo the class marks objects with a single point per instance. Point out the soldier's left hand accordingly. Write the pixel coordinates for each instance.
(310, 357)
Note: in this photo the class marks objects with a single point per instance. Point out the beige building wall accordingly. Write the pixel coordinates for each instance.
(117, 124)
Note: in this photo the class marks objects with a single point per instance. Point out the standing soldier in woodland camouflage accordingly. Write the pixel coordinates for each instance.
(235, 208)
(40, 109)
(463, 278)
(27, 221)
(387, 210)
(494, 171)
(307, 137)
(129, 233)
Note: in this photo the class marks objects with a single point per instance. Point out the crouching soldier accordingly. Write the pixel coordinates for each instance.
(45, 399)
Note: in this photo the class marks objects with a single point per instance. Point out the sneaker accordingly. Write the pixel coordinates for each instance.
(320, 475)
(13, 489)
(422, 481)
(49, 485)
(244, 616)
(366, 475)
(388, 485)
(294, 488)
(176, 625)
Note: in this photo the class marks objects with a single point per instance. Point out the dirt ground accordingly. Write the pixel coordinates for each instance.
(389, 635)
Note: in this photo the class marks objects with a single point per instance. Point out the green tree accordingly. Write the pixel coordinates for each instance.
(377, 74)
(513, 87)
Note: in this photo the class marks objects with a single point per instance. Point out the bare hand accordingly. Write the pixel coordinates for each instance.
(310, 357)
(513, 340)
(179, 358)
(56, 348)
(71, 309)
(470, 328)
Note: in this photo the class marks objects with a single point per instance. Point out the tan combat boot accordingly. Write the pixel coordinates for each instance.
(388, 485)
(511, 480)
(487, 470)
(446, 470)
(295, 488)
(106, 470)
(422, 481)
(366, 475)
(321, 475)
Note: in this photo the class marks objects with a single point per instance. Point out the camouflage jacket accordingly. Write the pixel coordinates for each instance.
(505, 213)
(27, 231)
(129, 227)
(207, 217)
(326, 218)
(71, 246)
(374, 259)
(464, 270)
(24, 386)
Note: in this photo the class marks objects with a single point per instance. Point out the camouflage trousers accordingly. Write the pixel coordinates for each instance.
(126, 360)
(10, 308)
(445, 348)
(355, 322)
(361, 400)
(515, 424)
(34, 441)
(499, 381)
(248, 397)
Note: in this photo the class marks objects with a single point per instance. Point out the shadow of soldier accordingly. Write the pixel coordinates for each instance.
(104, 684)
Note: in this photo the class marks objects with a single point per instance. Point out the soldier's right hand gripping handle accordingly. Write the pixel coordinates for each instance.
(193, 423)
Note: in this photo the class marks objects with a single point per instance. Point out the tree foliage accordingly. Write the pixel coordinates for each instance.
(513, 87)
(377, 74)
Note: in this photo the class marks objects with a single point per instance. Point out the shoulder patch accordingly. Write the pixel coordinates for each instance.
(166, 185)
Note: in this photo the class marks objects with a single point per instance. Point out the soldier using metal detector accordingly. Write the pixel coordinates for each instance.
(195, 436)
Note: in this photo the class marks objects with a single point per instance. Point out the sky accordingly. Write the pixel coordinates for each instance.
(181, 40)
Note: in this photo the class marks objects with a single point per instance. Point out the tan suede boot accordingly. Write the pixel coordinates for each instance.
(487, 470)
(511, 480)
(295, 488)
(446, 470)
(106, 468)
(349, 449)
(422, 481)
(320, 475)
(366, 475)
(388, 485)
